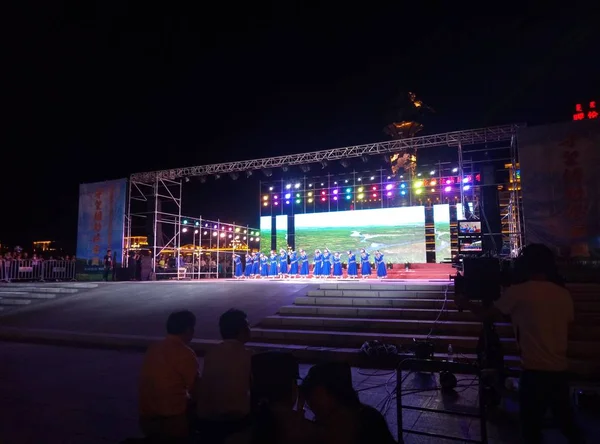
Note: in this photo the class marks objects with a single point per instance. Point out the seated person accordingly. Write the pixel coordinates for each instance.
(224, 392)
(168, 377)
(274, 395)
(341, 417)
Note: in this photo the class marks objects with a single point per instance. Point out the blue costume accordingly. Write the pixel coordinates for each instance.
(304, 265)
(273, 270)
(337, 266)
(318, 265)
(293, 263)
(264, 267)
(365, 265)
(248, 270)
(352, 270)
(380, 265)
(256, 265)
(326, 270)
(283, 265)
(238, 267)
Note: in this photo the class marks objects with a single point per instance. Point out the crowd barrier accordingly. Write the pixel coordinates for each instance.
(36, 270)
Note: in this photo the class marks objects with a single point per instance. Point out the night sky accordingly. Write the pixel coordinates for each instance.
(97, 92)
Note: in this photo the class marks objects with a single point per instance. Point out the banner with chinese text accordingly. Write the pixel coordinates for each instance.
(100, 225)
(560, 170)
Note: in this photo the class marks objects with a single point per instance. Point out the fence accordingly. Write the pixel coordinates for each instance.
(36, 270)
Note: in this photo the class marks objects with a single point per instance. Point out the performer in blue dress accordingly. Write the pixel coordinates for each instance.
(352, 270)
(256, 265)
(273, 263)
(293, 264)
(318, 264)
(264, 266)
(365, 265)
(238, 266)
(283, 264)
(337, 266)
(380, 265)
(303, 264)
(248, 269)
(326, 270)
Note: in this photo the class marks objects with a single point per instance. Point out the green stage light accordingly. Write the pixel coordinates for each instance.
(297, 201)
(348, 190)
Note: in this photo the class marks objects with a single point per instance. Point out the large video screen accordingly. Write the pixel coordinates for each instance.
(399, 233)
(441, 223)
(265, 233)
(281, 231)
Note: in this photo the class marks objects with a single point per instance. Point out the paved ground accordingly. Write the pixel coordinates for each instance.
(140, 308)
(60, 395)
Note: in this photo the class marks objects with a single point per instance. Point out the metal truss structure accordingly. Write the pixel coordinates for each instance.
(452, 139)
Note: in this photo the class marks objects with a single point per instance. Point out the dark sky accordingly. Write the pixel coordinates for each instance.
(95, 92)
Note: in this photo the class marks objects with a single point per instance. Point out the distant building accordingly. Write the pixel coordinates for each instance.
(136, 242)
(44, 246)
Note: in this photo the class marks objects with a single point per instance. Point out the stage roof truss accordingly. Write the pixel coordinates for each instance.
(452, 139)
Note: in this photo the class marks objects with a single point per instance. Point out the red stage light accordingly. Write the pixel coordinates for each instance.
(374, 188)
(323, 193)
(323, 199)
(374, 194)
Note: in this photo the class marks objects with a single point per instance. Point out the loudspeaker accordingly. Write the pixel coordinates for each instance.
(491, 222)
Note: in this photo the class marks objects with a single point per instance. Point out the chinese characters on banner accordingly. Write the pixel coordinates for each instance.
(100, 226)
(580, 114)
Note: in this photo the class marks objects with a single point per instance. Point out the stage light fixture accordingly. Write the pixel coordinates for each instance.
(230, 229)
(270, 188)
(335, 183)
(402, 185)
(334, 197)
(467, 187)
(389, 193)
(348, 197)
(288, 195)
(298, 195)
(348, 190)
(215, 233)
(310, 185)
(297, 186)
(433, 182)
(285, 168)
(217, 176)
(215, 227)
(419, 191)
(288, 186)
(418, 184)
(372, 177)
(237, 238)
(287, 202)
(265, 197)
(418, 174)
(184, 230)
(335, 191)
(275, 197)
(276, 203)
(346, 181)
(374, 188)
(359, 179)
(310, 201)
(403, 193)
(267, 172)
(455, 170)
(230, 236)
(251, 239)
(374, 194)
(323, 164)
(432, 172)
(448, 189)
(305, 168)
(234, 176)
(364, 158)
(389, 186)
(323, 199)
(361, 196)
(205, 233)
(257, 239)
(244, 238)
(433, 190)
(466, 179)
(244, 231)
(448, 181)
(297, 201)
(184, 222)
(360, 190)
(323, 193)
(310, 193)
(322, 184)
(344, 163)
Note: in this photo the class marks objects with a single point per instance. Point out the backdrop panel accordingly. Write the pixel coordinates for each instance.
(100, 225)
(441, 222)
(265, 233)
(281, 230)
(398, 232)
(561, 191)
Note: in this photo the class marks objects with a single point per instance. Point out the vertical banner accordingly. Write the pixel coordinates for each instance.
(441, 222)
(281, 224)
(100, 225)
(561, 191)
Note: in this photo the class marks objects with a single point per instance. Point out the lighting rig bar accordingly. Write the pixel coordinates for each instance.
(466, 137)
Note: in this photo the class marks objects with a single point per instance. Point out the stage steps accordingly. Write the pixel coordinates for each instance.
(345, 314)
(20, 295)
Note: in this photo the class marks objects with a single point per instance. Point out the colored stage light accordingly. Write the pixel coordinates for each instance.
(205, 233)
(237, 238)
(418, 184)
(230, 236)
(251, 239)
(323, 193)
(389, 193)
(288, 195)
(323, 199)
(287, 202)
(297, 186)
(348, 190)
(265, 197)
(237, 230)
(215, 227)
(335, 191)
(288, 186)
(257, 239)
(230, 229)
(270, 188)
(346, 181)
(466, 179)
(448, 181)
(433, 183)
(297, 194)
(359, 179)
(335, 183)
(403, 192)
(197, 223)
(432, 172)
(372, 177)
(466, 188)
(275, 197)
(419, 174)
(360, 190)
(215, 233)
(334, 197)
(265, 204)
(348, 197)
(433, 190)
(298, 201)
(310, 201)
(374, 188)
(389, 177)
(185, 221)
(244, 231)
(455, 170)
(419, 191)
(402, 185)
(184, 230)
(276, 203)
(244, 238)
(448, 189)
(322, 184)
(310, 184)
(310, 194)
(374, 194)
(361, 196)
(389, 186)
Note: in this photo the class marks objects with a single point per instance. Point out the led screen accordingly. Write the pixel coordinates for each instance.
(265, 232)
(441, 223)
(399, 233)
(281, 231)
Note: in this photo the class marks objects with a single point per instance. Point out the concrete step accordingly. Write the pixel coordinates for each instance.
(28, 295)
(375, 312)
(390, 293)
(4, 301)
(411, 326)
(385, 286)
(329, 338)
(372, 302)
(37, 288)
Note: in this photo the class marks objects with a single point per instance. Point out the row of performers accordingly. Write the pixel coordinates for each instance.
(325, 264)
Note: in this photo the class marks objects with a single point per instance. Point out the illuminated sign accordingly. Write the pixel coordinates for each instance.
(580, 114)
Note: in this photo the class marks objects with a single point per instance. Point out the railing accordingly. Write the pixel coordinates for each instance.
(36, 270)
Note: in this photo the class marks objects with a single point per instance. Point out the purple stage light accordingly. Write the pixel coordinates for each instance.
(448, 189)
(389, 187)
